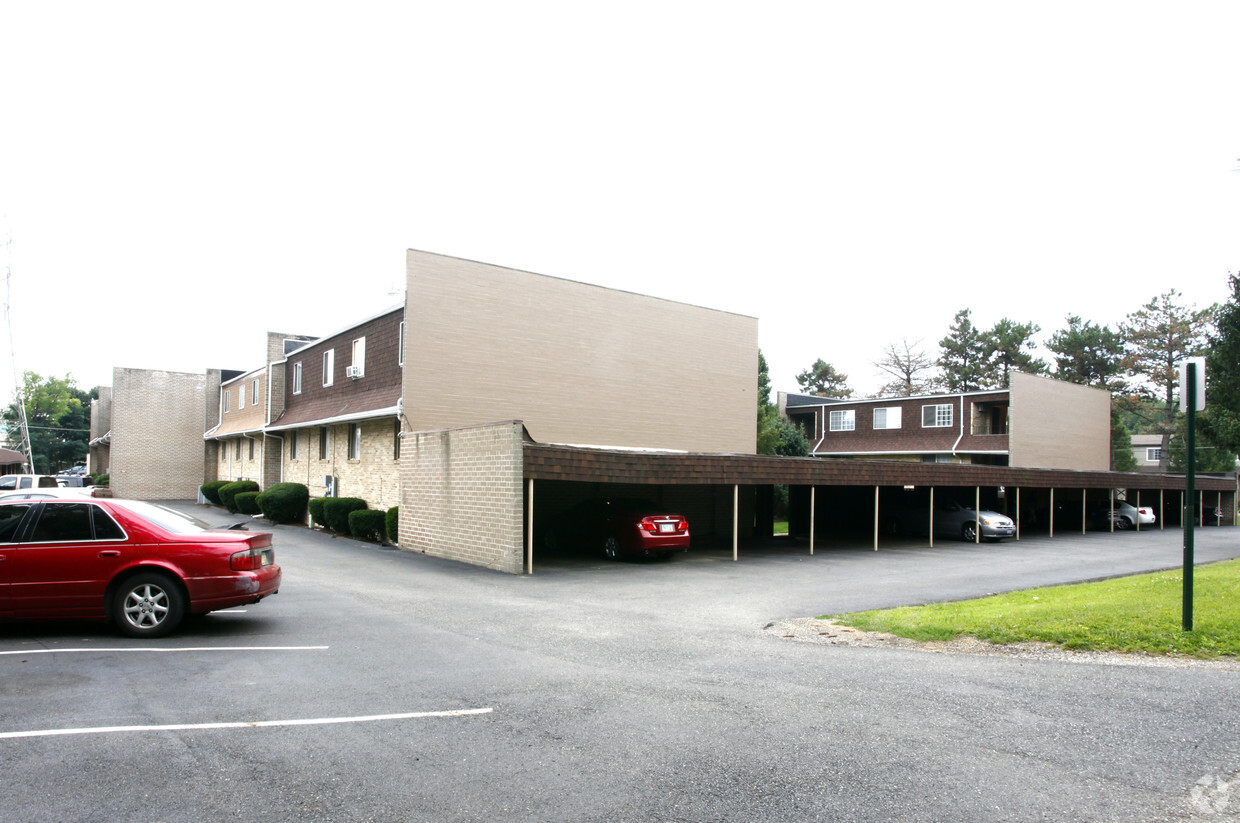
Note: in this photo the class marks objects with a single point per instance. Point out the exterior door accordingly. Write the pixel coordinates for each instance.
(67, 555)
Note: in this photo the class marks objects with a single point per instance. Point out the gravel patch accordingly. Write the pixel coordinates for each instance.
(828, 632)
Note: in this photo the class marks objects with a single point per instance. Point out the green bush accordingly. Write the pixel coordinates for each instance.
(246, 502)
(368, 524)
(229, 491)
(211, 490)
(315, 505)
(100, 479)
(336, 511)
(284, 502)
(393, 524)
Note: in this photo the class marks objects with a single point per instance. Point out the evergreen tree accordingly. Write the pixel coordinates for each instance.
(964, 356)
(1011, 344)
(823, 380)
(1088, 354)
(1220, 422)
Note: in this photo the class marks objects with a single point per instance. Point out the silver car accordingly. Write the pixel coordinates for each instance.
(953, 520)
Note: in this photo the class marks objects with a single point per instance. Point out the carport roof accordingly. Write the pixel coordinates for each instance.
(573, 463)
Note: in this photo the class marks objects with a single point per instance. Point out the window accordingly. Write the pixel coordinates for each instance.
(888, 418)
(843, 421)
(240, 397)
(292, 445)
(1154, 455)
(238, 455)
(355, 441)
(329, 367)
(324, 445)
(251, 449)
(937, 416)
(396, 441)
(254, 395)
(10, 518)
(227, 393)
(936, 458)
(359, 356)
(296, 378)
(68, 522)
(400, 350)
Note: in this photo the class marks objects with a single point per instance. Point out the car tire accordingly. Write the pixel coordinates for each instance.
(1123, 523)
(968, 532)
(611, 547)
(150, 604)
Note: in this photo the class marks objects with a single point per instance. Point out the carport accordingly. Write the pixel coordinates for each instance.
(729, 497)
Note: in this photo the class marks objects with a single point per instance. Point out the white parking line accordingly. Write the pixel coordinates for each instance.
(183, 649)
(322, 721)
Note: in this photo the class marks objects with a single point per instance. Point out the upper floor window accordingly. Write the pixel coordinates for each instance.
(888, 418)
(254, 396)
(843, 421)
(936, 416)
(227, 394)
(297, 378)
(329, 367)
(359, 357)
(240, 397)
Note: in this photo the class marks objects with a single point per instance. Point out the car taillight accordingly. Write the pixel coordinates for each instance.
(251, 559)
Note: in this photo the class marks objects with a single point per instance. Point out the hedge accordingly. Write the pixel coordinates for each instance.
(315, 505)
(246, 502)
(336, 512)
(284, 502)
(229, 491)
(211, 490)
(393, 524)
(368, 524)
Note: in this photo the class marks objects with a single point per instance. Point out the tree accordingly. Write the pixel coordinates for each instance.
(1157, 337)
(1220, 422)
(776, 433)
(1011, 344)
(1088, 354)
(823, 380)
(58, 418)
(963, 356)
(912, 369)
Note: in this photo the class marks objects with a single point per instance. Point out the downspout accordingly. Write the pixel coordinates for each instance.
(961, 437)
(823, 437)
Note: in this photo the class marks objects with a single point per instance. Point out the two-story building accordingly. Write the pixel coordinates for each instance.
(1036, 423)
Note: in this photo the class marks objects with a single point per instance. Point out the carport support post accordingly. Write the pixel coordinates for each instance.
(1138, 510)
(529, 526)
(876, 518)
(1018, 514)
(977, 514)
(812, 489)
(1084, 495)
(1052, 511)
(932, 517)
(736, 520)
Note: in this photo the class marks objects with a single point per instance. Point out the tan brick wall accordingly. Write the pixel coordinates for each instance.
(1059, 425)
(231, 467)
(158, 420)
(375, 477)
(463, 495)
(577, 363)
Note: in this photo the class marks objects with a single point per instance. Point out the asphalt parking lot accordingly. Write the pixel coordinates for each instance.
(384, 685)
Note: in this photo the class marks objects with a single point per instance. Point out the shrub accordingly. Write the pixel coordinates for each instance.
(246, 502)
(229, 491)
(211, 491)
(284, 502)
(315, 505)
(100, 480)
(393, 524)
(336, 512)
(368, 524)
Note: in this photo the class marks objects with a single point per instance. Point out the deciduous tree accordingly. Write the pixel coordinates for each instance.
(911, 368)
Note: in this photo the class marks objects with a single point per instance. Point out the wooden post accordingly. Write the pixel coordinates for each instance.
(736, 520)
(529, 526)
(1018, 514)
(812, 490)
(932, 517)
(876, 518)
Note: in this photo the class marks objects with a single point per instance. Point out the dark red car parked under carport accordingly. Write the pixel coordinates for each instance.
(139, 565)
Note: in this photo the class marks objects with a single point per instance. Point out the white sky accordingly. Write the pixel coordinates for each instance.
(177, 179)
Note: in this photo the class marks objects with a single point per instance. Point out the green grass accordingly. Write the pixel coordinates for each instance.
(781, 527)
(1140, 614)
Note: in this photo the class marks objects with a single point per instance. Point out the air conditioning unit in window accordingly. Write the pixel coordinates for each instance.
(353, 371)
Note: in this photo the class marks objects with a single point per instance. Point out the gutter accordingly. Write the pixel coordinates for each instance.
(961, 437)
(390, 411)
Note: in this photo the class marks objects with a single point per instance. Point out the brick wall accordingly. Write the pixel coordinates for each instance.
(158, 420)
(463, 495)
(1060, 425)
(375, 477)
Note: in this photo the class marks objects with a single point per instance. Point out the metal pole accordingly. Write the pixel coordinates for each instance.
(1189, 401)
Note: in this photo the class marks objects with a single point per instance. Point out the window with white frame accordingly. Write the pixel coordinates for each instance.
(400, 346)
(227, 392)
(240, 397)
(396, 441)
(355, 441)
(254, 396)
(238, 449)
(251, 449)
(887, 418)
(1153, 455)
(359, 356)
(324, 442)
(297, 378)
(292, 445)
(843, 421)
(329, 367)
(936, 416)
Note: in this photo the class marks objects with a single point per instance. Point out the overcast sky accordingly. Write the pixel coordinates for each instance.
(179, 178)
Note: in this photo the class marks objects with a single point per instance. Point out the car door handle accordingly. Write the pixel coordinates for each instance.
(111, 553)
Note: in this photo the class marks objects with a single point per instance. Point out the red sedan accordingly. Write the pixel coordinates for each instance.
(141, 566)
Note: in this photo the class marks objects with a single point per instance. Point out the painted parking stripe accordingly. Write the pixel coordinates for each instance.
(166, 651)
(252, 724)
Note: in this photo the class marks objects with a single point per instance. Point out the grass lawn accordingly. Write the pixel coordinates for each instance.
(1126, 614)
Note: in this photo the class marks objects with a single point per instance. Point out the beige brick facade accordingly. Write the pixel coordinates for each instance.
(465, 495)
(1059, 425)
(374, 476)
(158, 419)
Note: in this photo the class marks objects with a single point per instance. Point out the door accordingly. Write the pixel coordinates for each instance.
(68, 554)
(11, 517)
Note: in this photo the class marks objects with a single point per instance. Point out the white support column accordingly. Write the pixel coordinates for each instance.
(932, 517)
(1052, 514)
(1018, 514)
(1138, 510)
(1162, 509)
(977, 514)
(736, 520)
(529, 527)
(1084, 495)
(876, 518)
